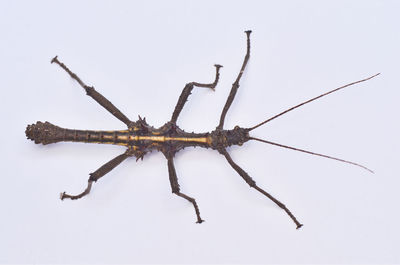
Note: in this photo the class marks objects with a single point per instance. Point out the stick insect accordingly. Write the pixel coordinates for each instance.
(140, 138)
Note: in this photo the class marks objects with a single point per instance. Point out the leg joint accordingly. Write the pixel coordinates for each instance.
(251, 183)
(93, 177)
(176, 190)
(89, 90)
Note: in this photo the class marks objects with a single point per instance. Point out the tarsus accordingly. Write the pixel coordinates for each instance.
(310, 100)
(312, 153)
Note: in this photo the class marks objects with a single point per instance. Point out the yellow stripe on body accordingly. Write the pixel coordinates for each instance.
(166, 138)
(97, 142)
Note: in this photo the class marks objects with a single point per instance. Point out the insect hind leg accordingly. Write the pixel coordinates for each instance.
(99, 98)
(64, 195)
(103, 170)
(187, 90)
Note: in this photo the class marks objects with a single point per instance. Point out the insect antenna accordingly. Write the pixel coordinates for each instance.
(310, 100)
(311, 153)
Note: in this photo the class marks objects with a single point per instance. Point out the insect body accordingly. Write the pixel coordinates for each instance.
(141, 138)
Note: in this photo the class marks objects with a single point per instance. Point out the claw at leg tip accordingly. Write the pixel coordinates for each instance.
(54, 59)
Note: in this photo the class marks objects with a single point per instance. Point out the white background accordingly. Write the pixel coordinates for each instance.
(139, 55)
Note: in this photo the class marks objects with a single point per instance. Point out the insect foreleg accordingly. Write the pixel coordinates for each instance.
(253, 184)
(90, 91)
(175, 188)
(187, 91)
(235, 85)
(107, 167)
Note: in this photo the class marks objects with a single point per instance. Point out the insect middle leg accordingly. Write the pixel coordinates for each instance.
(253, 184)
(107, 167)
(187, 91)
(90, 91)
(176, 189)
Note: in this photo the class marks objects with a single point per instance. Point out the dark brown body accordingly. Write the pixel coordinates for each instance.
(140, 138)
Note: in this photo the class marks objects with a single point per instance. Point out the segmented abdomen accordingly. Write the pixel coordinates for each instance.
(47, 133)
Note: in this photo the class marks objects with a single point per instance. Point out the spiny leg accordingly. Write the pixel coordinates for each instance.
(235, 85)
(107, 167)
(175, 188)
(90, 91)
(187, 91)
(253, 184)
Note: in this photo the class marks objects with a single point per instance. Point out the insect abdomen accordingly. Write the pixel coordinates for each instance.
(47, 133)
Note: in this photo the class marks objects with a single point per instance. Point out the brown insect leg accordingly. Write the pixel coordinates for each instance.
(107, 167)
(187, 91)
(175, 189)
(90, 91)
(253, 184)
(235, 85)
(63, 195)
